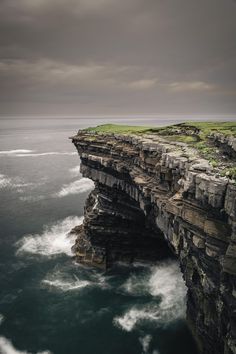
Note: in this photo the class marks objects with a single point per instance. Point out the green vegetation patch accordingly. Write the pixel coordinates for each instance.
(229, 172)
(181, 131)
(118, 129)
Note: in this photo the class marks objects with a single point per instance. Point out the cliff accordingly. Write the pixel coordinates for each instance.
(163, 192)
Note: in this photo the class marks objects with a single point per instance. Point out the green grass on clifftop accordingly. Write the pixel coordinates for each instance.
(118, 129)
(184, 132)
(195, 134)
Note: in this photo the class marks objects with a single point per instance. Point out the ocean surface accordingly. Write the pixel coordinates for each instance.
(49, 304)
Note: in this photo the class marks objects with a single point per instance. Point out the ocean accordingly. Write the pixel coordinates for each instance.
(49, 304)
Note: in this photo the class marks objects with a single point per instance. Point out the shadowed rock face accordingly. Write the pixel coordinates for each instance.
(152, 196)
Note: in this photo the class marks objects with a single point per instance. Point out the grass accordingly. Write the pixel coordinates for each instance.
(195, 134)
(229, 172)
(185, 132)
(118, 129)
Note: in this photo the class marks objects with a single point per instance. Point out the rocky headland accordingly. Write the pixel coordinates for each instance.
(161, 193)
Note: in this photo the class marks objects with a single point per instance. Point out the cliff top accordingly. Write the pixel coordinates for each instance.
(212, 141)
(201, 129)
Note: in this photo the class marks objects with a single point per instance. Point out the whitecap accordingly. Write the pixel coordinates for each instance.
(4, 181)
(32, 198)
(14, 152)
(15, 183)
(145, 342)
(79, 186)
(165, 282)
(33, 153)
(53, 240)
(46, 154)
(135, 315)
(6, 347)
(66, 285)
(65, 282)
(75, 171)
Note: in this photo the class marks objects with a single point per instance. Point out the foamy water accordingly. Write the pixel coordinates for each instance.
(6, 347)
(75, 171)
(4, 181)
(67, 285)
(164, 282)
(53, 240)
(15, 152)
(47, 301)
(79, 186)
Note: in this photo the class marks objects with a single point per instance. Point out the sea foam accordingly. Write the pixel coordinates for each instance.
(75, 171)
(66, 285)
(6, 347)
(79, 186)
(15, 152)
(33, 153)
(164, 282)
(53, 240)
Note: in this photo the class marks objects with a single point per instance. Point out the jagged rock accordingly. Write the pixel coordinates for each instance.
(153, 196)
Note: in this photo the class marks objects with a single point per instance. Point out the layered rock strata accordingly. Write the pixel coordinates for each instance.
(150, 194)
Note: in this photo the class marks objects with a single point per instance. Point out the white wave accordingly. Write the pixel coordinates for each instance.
(65, 282)
(76, 187)
(53, 240)
(135, 285)
(67, 285)
(32, 153)
(145, 342)
(32, 198)
(15, 183)
(4, 181)
(46, 154)
(2, 318)
(165, 281)
(14, 152)
(75, 171)
(6, 347)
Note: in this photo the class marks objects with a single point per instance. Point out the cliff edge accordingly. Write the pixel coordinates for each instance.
(161, 192)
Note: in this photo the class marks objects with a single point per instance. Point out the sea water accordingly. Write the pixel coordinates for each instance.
(49, 304)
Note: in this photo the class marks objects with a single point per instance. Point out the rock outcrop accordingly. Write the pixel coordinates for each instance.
(152, 196)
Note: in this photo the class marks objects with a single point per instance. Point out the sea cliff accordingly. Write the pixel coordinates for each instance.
(161, 193)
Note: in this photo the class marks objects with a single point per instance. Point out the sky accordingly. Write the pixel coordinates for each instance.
(117, 57)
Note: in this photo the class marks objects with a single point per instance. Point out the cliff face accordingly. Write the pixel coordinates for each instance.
(152, 196)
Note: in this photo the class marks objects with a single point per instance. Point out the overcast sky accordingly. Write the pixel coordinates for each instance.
(76, 57)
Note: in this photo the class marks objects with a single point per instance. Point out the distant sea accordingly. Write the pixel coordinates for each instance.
(49, 304)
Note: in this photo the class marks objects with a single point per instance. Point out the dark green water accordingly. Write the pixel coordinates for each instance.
(50, 304)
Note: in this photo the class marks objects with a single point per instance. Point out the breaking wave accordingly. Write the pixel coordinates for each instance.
(4, 181)
(145, 342)
(15, 152)
(76, 187)
(75, 171)
(6, 347)
(65, 281)
(164, 282)
(15, 183)
(53, 240)
(67, 285)
(46, 154)
(32, 153)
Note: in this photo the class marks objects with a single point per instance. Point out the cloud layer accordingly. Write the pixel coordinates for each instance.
(117, 57)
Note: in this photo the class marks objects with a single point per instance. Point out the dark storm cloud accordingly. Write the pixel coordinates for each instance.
(117, 56)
